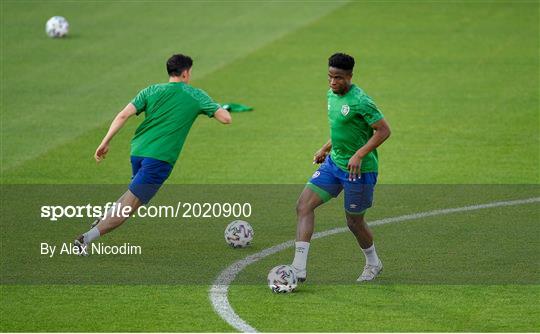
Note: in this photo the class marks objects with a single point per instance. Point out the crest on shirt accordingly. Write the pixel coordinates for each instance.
(345, 109)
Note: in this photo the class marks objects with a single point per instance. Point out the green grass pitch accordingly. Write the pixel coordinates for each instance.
(457, 81)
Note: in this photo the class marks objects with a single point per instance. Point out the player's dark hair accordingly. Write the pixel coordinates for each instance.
(177, 64)
(342, 61)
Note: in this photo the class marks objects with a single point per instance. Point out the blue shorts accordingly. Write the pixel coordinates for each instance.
(148, 176)
(329, 180)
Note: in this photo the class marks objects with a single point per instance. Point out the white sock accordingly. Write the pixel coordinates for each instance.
(371, 255)
(300, 255)
(91, 235)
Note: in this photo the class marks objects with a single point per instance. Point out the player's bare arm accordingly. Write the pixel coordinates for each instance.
(382, 132)
(321, 154)
(223, 116)
(116, 125)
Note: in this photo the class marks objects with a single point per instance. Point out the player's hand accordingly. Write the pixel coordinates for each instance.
(319, 156)
(355, 162)
(101, 152)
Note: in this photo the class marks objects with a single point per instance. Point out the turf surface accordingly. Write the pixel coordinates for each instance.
(458, 83)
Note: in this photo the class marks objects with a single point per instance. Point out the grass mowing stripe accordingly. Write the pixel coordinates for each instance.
(434, 86)
(63, 117)
(219, 290)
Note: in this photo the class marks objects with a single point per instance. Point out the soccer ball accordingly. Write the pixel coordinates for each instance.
(282, 279)
(57, 26)
(239, 234)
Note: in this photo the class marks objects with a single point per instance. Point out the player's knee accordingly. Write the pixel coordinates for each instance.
(303, 208)
(354, 222)
(350, 223)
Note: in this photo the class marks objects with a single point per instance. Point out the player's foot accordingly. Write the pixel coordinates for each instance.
(81, 246)
(300, 274)
(370, 272)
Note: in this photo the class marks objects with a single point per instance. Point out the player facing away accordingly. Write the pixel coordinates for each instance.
(170, 110)
(349, 163)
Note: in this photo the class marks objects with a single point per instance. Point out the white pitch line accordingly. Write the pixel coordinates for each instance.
(219, 291)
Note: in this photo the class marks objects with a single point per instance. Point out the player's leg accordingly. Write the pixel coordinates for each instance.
(149, 175)
(110, 221)
(136, 164)
(308, 201)
(364, 237)
(321, 187)
(357, 225)
(358, 198)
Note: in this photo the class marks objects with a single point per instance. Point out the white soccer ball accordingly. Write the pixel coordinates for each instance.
(239, 234)
(57, 26)
(282, 279)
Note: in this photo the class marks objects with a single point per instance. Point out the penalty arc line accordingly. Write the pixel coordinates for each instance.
(219, 291)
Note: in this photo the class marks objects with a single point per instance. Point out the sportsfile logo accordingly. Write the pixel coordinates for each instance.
(179, 210)
(53, 212)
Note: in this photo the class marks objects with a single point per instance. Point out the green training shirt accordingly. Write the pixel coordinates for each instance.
(170, 110)
(350, 117)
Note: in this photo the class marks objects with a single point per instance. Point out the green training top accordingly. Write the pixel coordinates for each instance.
(350, 117)
(170, 110)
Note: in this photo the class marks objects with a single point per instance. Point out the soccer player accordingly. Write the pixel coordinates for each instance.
(170, 110)
(349, 162)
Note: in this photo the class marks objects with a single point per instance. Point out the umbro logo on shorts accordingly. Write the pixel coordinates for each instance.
(345, 109)
(316, 174)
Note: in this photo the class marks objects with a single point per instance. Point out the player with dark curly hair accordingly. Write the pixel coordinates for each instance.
(348, 161)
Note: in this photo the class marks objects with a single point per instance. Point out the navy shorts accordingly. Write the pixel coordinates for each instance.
(148, 176)
(329, 180)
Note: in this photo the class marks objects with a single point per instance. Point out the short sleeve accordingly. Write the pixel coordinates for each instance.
(370, 112)
(207, 106)
(140, 101)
